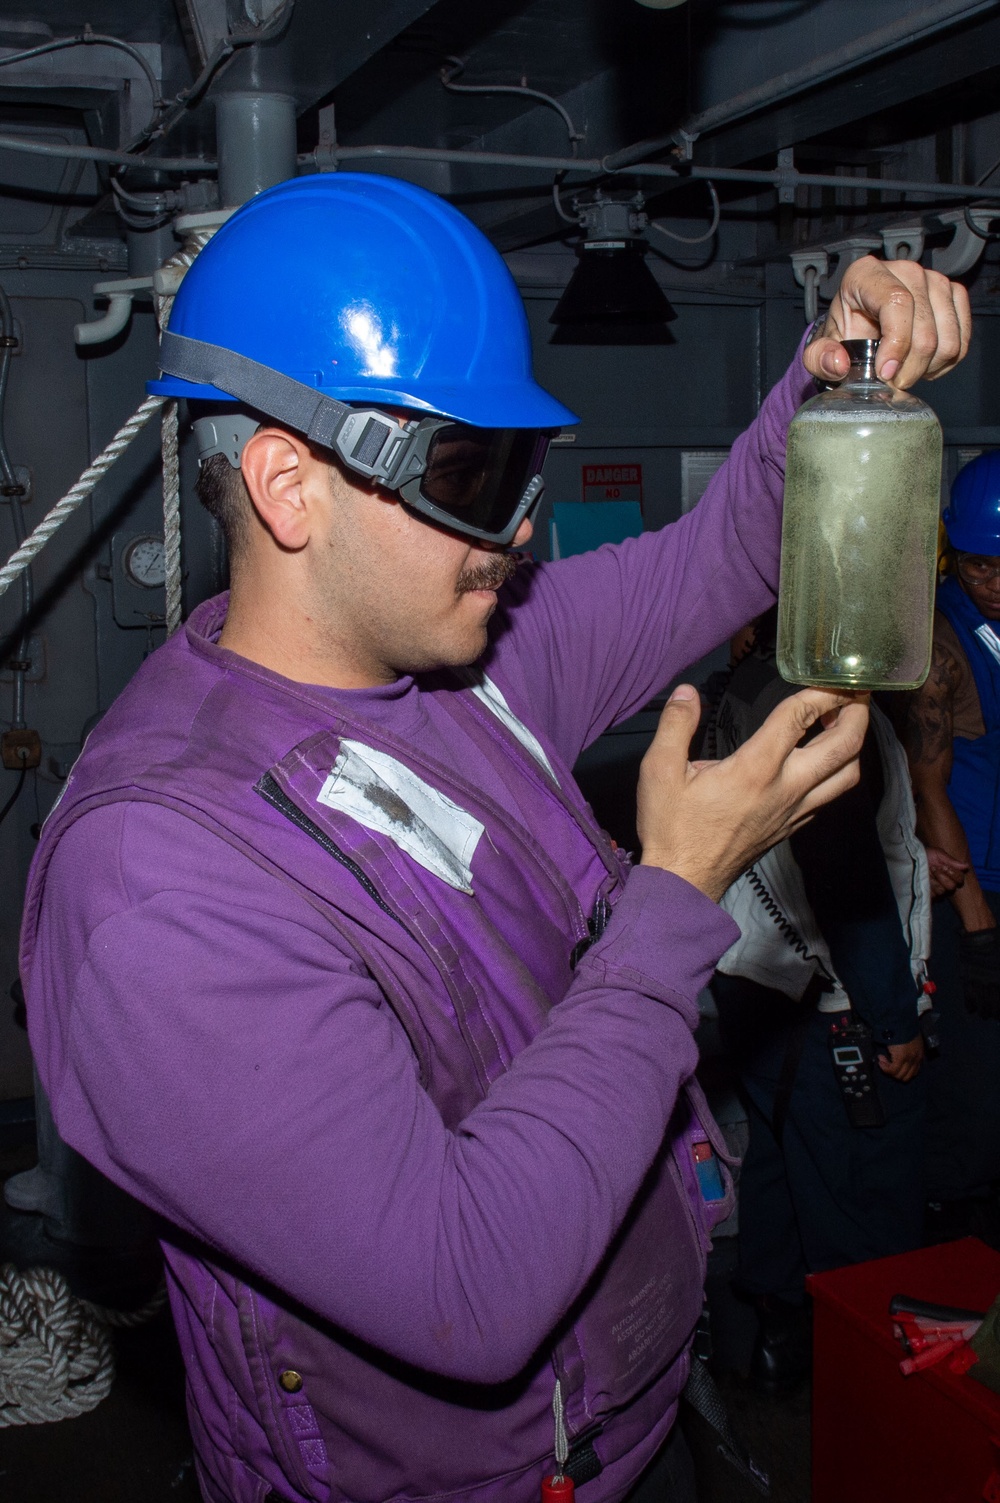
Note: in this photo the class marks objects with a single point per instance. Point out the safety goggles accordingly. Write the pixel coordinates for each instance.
(481, 482)
(977, 568)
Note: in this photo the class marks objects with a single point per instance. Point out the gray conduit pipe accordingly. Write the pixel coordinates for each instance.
(332, 155)
(793, 179)
(105, 154)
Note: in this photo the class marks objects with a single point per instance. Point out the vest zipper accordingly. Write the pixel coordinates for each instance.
(269, 789)
(596, 926)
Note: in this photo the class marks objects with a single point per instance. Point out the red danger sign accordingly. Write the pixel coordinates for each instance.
(612, 482)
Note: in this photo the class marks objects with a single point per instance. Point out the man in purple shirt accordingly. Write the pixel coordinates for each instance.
(326, 959)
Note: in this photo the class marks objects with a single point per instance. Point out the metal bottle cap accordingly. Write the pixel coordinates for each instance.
(862, 353)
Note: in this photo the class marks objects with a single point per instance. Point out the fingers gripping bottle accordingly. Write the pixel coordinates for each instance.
(859, 537)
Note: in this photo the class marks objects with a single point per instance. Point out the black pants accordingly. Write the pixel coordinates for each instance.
(669, 1478)
(963, 1109)
(828, 1194)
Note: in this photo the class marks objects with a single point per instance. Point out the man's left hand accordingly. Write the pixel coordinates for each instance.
(904, 1060)
(923, 321)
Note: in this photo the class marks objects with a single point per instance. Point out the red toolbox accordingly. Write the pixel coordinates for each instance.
(878, 1437)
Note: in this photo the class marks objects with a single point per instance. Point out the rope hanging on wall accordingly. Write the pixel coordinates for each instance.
(56, 1359)
(50, 524)
(35, 541)
(171, 516)
(180, 261)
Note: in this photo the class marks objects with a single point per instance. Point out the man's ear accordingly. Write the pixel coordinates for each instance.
(277, 470)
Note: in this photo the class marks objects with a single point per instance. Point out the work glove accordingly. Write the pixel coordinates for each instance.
(979, 968)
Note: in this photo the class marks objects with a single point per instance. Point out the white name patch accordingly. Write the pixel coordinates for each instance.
(384, 796)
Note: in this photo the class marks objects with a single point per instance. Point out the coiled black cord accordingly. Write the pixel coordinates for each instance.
(774, 913)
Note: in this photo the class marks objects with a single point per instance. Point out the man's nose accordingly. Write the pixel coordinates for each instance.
(524, 533)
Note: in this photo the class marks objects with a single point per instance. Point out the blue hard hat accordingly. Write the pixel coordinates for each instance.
(359, 288)
(972, 516)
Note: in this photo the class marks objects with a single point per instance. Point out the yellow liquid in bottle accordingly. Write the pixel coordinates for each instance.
(859, 547)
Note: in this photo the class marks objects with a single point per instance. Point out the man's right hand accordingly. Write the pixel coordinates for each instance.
(921, 319)
(707, 821)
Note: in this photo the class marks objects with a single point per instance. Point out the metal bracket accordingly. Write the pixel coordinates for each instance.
(816, 261)
(847, 252)
(811, 268)
(808, 267)
(972, 227)
(789, 179)
(163, 282)
(206, 23)
(22, 488)
(903, 242)
(685, 144)
(119, 294)
(326, 146)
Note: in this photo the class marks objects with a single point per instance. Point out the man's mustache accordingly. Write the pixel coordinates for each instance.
(489, 575)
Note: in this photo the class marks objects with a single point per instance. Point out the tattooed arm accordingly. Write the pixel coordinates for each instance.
(927, 735)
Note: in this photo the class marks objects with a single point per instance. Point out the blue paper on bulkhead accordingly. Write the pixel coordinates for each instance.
(581, 526)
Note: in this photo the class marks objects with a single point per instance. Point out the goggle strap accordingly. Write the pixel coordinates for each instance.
(299, 406)
(368, 441)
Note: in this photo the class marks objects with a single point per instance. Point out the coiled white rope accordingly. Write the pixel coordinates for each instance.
(56, 1359)
(35, 541)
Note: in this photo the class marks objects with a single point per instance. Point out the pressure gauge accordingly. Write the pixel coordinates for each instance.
(144, 563)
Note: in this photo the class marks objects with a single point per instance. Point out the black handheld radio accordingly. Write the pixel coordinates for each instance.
(853, 1055)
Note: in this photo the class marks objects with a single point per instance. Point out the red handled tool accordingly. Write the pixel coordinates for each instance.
(931, 1334)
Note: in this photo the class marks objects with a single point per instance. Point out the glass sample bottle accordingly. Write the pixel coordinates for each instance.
(859, 537)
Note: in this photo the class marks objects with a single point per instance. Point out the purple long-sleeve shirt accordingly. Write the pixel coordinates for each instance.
(211, 1043)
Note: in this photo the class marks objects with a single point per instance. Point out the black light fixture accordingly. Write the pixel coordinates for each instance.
(612, 296)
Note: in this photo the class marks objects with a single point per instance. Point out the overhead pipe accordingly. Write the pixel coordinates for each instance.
(328, 157)
(915, 27)
(791, 177)
(75, 153)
